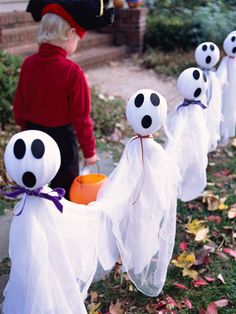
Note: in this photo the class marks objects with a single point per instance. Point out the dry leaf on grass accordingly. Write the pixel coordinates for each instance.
(116, 308)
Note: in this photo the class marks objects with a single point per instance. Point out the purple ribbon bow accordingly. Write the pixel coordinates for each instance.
(188, 102)
(18, 190)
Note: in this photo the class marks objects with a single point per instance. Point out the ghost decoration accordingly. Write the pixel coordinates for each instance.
(207, 56)
(227, 76)
(187, 125)
(139, 197)
(53, 253)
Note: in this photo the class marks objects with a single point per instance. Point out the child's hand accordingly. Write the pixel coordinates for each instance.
(91, 161)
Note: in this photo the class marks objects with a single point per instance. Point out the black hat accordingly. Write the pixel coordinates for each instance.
(80, 14)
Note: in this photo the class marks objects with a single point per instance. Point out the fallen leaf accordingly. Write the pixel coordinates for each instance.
(232, 212)
(190, 273)
(211, 247)
(187, 303)
(202, 235)
(194, 226)
(215, 219)
(184, 260)
(221, 278)
(211, 309)
(183, 246)
(222, 256)
(171, 300)
(199, 283)
(202, 257)
(212, 200)
(230, 252)
(180, 286)
(93, 296)
(221, 303)
(209, 279)
(222, 206)
(116, 308)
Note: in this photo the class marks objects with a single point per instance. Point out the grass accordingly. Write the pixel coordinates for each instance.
(115, 287)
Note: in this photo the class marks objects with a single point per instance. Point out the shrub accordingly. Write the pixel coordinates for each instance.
(186, 26)
(168, 64)
(211, 23)
(106, 113)
(9, 71)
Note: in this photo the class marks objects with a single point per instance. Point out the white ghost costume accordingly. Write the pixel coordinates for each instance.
(53, 254)
(227, 76)
(187, 125)
(139, 197)
(207, 55)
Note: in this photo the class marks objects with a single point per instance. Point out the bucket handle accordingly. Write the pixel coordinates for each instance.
(98, 168)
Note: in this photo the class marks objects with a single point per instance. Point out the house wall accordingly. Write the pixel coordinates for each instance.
(9, 6)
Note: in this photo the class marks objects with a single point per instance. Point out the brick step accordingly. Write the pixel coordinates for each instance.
(14, 19)
(98, 56)
(22, 50)
(21, 35)
(29, 45)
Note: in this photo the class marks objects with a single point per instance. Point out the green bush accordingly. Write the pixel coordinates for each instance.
(211, 23)
(177, 25)
(9, 72)
(106, 113)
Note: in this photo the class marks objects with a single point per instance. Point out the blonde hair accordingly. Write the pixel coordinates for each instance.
(52, 27)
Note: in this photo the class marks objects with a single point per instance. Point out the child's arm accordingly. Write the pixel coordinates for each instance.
(80, 107)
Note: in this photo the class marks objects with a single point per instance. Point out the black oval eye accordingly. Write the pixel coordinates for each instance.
(204, 77)
(146, 122)
(196, 74)
(204, 47)
(233, 38)
(197, 92)
(29, 179)
(38, 149)
(212, 47)
(234, 50)
(208, 59)
(139, 99)
(19, 149)
(155, 100)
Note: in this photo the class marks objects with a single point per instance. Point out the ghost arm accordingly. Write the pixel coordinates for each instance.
(222, 72)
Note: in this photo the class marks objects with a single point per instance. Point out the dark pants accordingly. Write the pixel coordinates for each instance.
(67, 143)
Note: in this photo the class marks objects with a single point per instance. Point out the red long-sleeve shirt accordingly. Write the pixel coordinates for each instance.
(52, 91)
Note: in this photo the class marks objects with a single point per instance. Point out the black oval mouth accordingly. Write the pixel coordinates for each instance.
(208, 59)
(29, 179)
(234, 50)
(146, 122)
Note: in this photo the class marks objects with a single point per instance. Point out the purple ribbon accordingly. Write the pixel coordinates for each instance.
(18, 190)
(188, 102)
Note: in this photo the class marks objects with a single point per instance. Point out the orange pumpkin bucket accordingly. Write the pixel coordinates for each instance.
(84, 188)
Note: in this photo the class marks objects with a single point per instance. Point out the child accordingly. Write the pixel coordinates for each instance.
(52, 94)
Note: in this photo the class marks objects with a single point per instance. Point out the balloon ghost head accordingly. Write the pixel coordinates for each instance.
(32, 159)
(146, 111)
(192, 83)
(230, 44)
(207, 55)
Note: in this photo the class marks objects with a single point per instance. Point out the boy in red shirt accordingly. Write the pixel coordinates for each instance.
(52, 93)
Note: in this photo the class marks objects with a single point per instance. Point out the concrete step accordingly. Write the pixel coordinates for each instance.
(22, 41)
(98, 56)
(14, 19)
